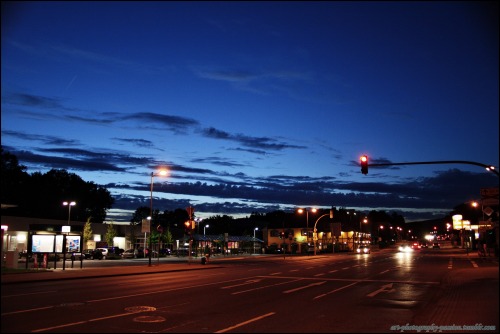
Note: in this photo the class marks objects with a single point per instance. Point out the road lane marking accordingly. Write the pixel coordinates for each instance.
(304, 287)
(384, 288)
(245, 322)
(244, 283)
(333, 291)
(450, 263)
(265, 287)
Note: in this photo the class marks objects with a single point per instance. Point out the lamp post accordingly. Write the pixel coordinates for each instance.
(307, 221)
(314, 230)
(380, 227)
(162, 173)
(204, 227)
(255, 229)
(365, 221)
(69, 205)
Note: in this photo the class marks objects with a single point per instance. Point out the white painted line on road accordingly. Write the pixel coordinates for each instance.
(267, 286)
(384, 288)
(332, 271)
(383, 272)
(245, 322)
(333, 291)
(304, 287)
(319, 274)
(244, 283)
(450, 263)
(474, 264)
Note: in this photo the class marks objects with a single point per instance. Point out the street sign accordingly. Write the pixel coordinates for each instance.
(488, 211)
(489, 192)
(489, 201)
(146, 226)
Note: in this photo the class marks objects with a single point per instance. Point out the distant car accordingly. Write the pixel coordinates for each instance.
(436, 245)
(405, 248)
(93, 254)
(415, 245)
(129, 254)
(363, 250)
(109, 253)
(77, 256)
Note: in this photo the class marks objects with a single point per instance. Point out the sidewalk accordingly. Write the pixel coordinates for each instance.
(142, 267)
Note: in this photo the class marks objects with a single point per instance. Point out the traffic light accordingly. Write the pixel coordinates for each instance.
(364, 164)
(187, 227)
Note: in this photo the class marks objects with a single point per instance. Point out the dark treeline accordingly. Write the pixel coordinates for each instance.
(41, 195)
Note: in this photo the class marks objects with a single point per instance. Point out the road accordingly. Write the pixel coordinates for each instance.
(378, 292)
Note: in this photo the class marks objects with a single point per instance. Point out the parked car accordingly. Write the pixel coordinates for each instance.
(110, 253)
(77, 256)
(130, 254)
(93, 254)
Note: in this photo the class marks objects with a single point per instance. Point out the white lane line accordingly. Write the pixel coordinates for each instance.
(267, 286)
(304, 287)
(333, 291)
(245, 322)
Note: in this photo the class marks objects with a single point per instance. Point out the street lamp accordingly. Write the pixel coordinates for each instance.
(69, 205)
(313, 210)
(365, 221)
(204, 227)
(314, 230)
(160, 173)
(255, 229)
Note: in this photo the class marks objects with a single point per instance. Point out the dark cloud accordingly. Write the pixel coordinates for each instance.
(264, 143)
(420, 198)
(30, 100)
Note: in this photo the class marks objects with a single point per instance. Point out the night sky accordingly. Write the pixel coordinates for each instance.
(256, 106)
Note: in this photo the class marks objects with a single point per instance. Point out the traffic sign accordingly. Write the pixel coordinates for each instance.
(490, 201)
(488, 211)
(489, 192)
(146, 226)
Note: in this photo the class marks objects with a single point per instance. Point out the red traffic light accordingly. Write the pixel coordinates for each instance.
(364, 164)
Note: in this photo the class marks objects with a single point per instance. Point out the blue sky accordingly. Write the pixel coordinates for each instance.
(256, 106)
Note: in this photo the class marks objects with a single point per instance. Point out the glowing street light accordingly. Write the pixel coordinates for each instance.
(69, 205)
(162, 172)
(255, 229)
(204, 227)
(313, 210)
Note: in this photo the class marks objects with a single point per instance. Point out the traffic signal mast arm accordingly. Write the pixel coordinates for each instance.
(488, 167)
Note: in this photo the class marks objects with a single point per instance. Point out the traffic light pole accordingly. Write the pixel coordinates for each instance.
(488, 167)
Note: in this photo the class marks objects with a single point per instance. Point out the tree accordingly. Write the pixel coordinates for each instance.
(14, 179)
(41, 195)
(110, 234)
(87, 231)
